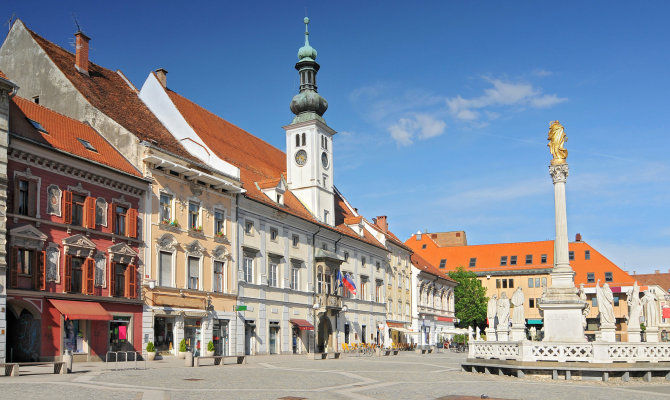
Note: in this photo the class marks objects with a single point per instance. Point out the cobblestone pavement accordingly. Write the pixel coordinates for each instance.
(406, 376)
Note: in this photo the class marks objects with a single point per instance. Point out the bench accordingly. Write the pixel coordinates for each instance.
(220, 360)
(12, 369)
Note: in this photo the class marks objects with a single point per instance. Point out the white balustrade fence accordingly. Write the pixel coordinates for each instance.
(592, 352)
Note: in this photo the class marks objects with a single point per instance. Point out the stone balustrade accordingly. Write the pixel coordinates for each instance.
(590, 352)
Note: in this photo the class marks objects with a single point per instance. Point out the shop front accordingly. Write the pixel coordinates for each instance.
(300, 335)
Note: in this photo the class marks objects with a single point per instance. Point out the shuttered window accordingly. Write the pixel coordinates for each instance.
(165, 269)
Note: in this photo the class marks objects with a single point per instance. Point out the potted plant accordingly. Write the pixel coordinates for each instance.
(210, 349)
(151, 351)
(174, 223)
(198, 229)
(220, 234)
(182, 349)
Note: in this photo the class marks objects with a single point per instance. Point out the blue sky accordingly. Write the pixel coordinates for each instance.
(442, 107)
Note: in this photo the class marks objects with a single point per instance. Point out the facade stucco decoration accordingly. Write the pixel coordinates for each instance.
(101, 212)
(53, 263)
(167, 242)
(195, 249)
(78, 188)
(220, 253)
(122, 253)
(28, 237)
(54, 196)
(79, 246)
(100, 263)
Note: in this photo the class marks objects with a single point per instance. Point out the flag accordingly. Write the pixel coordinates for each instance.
(349, 284)
(339, 280)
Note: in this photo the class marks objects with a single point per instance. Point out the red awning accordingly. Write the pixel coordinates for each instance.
(395, 324)
(445, 319)
(666, 312)
(81, 310)
(302, 324)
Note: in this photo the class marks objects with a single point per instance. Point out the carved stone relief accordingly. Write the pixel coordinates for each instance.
(101, 211)
(100, 264)
(53, 263)
(54, 196)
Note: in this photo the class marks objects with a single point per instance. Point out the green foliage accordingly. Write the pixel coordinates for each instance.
(182, 346)
(470, 299)
(210, 346)
(643, 327)
(150, 347)
(460, 338)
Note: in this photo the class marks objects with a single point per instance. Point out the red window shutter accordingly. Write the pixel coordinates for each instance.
(127, 283)
(112, 277)
(41, 267)
(89, 212)
(131, 281)
(67, 207)
(32, 198)
(131, 226)
(90, 275)
(14, 275)
(67, 274)
(111, 218)
(34, 271)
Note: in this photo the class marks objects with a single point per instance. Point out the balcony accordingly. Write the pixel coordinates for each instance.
(330, 301)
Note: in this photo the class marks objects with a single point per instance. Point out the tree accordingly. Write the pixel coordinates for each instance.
(470, 299)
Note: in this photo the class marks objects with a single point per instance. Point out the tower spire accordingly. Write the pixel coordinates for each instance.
(308, 104)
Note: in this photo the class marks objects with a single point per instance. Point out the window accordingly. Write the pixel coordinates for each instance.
(219, 276)
(616, 301)
(249, 227)
(273, 234)
(248, 269)
(25, 262)
(325, 214)
(511, 283)
(346, 256)
(193, 273)
(37, 125)
(537, 282)
(529, 259)
(78, 209)
(76, 274)
(324, 142)
(443, 262)
(473, 262)
(544, 282)
(324, 246)
(119, 279)
(364, 288)
(504, 283)
(594, 301)
(165, 208)
(587, 254)
(378, 264)
(572, 255)
(303, 139)
(296, 240)
(273, 272)
(120, 220)
(363, 262)
(193, 213)
(497, 283)
(87, 145)
(23, 197)
(219, 223)
(399, 308)
(36, 99)
(295, 277)
(543, 258)
(608, 277)
(503, 260)
(406, 309)
(165, 269)
(378, 294)
(399, 279)
(423, 246)
(590, 277)
(531, 303)
(512, 260)
(530, 282)
(297, 140)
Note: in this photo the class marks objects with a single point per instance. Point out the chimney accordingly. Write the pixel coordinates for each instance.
(382, 223)
(161, 74)
(81, 54)
(657, 272)
(578, 237)
(418, 235)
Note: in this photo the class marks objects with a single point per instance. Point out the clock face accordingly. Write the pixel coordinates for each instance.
(324, 160)
(301, 157)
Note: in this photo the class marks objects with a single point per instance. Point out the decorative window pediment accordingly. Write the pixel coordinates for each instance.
(122, 253)
(79, 189)
(27, 236)
(79, 246)
(220, 253)
(167, 242)
(195, 249)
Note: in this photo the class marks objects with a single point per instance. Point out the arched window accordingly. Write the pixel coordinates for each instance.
(303, 139)
(297, 140)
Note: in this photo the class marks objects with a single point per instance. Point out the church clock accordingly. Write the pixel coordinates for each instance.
(324, 160)
(301, 157)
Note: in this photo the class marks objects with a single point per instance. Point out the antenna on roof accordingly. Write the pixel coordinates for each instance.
(10, 21)
(74, 18)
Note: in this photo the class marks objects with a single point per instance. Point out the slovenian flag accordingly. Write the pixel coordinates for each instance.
(349, 283)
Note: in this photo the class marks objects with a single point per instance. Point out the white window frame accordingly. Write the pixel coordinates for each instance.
(225, 219)
(273, 273)
(223, 277)
(251, 231)
(198, 222)
(294, 278)
(245, 268)
(173, 272)
(188, 277)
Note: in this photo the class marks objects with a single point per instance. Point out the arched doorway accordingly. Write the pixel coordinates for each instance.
(23, 337)
(325, 334)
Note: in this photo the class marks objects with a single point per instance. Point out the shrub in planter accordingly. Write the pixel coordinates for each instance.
(151, 351)
(182, 349)
(210, 348)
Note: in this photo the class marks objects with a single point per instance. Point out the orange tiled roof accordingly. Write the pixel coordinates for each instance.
(258, 161)
(488, 258)
(110, 93)
(62, 134)
(660, 279)
(423, 264)
(2, 75)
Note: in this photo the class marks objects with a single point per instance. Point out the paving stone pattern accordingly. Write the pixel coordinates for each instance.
(406, 376)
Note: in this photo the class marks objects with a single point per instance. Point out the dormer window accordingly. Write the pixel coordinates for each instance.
(37, 125)
(280, 198)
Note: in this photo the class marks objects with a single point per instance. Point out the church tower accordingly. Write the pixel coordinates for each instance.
(309, 141)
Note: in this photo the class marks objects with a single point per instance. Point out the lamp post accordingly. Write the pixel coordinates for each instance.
(315, 307)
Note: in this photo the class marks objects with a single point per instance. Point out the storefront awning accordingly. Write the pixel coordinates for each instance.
(302, 324)
(666, 312)
(401, 330)
(393, 325)
(534, 322)
(81, 310)
(195, 314)
(445, 319)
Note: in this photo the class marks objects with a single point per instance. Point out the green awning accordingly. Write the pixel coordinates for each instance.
(535, 321)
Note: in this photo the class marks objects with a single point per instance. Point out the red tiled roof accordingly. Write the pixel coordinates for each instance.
(109, 92)
(258, 161)
(62, 134)
(660, 279)
(423, 264)
(488, 258)
(2, 75)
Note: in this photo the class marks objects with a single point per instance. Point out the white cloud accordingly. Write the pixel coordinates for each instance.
(501, 94)
(542, 73)
(418, 126)
(491, 196)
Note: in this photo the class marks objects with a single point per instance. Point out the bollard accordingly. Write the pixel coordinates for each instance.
(67, 358)
(188, 360)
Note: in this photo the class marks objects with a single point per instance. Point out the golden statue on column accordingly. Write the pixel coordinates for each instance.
(557, 139)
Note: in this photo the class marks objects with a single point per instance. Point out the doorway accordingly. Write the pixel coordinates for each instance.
(325, 335)
(120, 336)
(274, 338)
(23, 337)
(192, 335)
(220, 337)
(249, 332)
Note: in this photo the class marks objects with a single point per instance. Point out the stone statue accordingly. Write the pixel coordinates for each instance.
(651, 313)
(587, 307)
(503, 311)
(491, 311)
(470, 337)
(634, 306)
(478, 335)
(533, 333)
(557, 139)
(605, 304)
(518, 317)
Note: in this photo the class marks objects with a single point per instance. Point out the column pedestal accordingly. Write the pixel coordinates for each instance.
(634, 335)
(503, 335)
(651, 334)
(608, 333)
(490, 335)
(517, 333)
